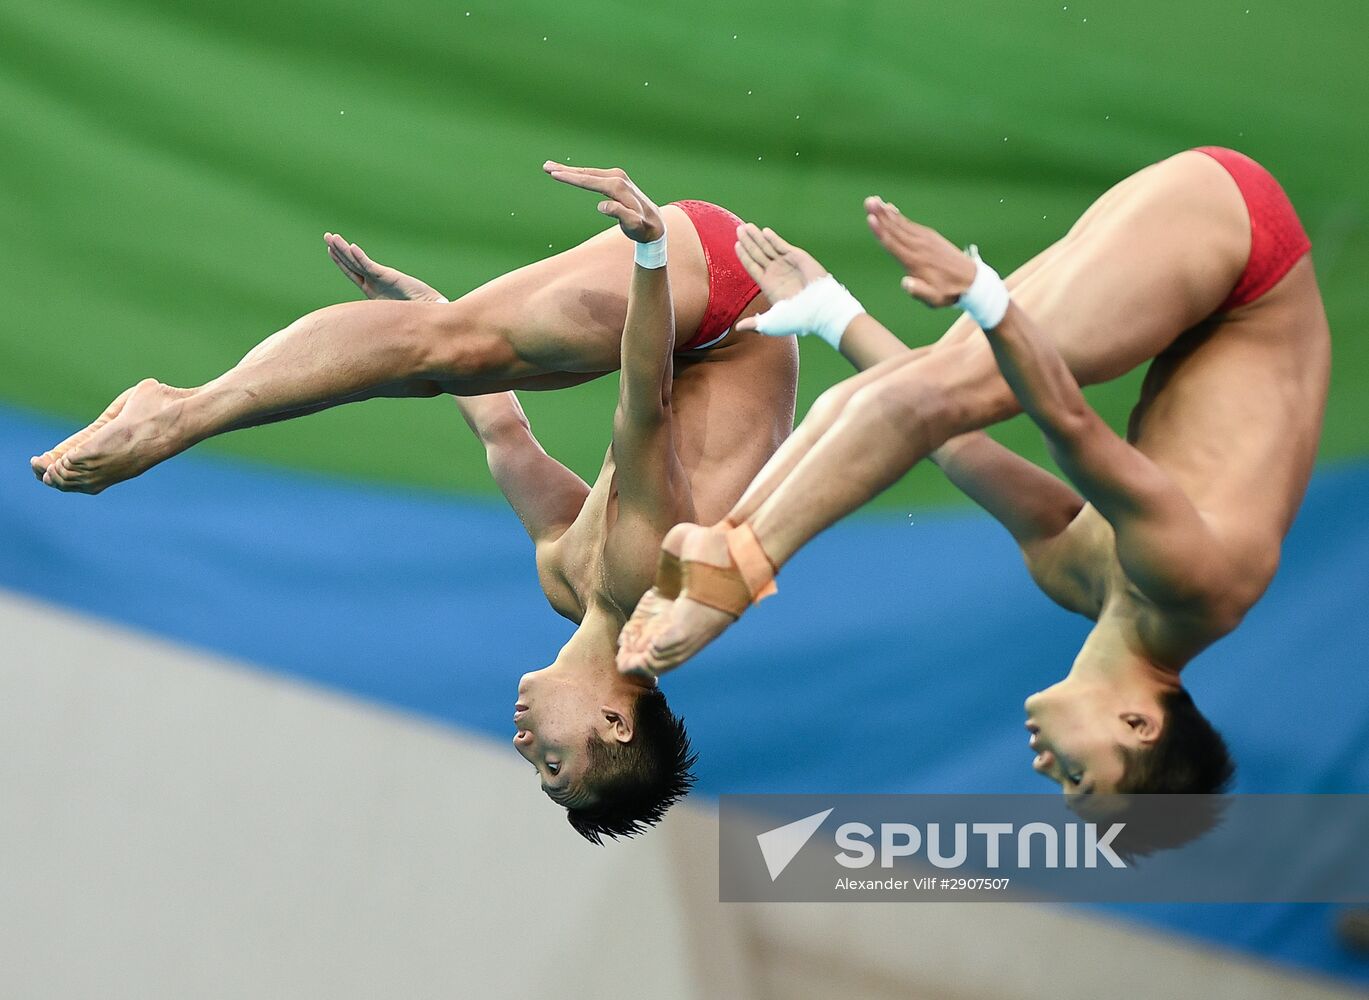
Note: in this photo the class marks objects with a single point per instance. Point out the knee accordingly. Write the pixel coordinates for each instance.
(453, 340)
(828, 406)
(904, 406)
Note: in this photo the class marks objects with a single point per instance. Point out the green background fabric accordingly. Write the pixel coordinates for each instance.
(168, 170)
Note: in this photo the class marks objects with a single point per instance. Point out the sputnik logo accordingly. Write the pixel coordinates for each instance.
(780, 845)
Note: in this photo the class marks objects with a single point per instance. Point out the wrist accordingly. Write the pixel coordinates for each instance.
(652, 253)
(823, 308)
(987, 299)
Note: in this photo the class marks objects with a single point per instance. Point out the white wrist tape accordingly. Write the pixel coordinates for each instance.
(651, 254)
(986, 300)
(824, 308)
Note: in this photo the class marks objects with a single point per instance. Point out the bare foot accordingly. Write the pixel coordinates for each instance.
(634, 638)
(39, 463)
(139, 429)
(654, 602)
(682, 630)
(378, 281)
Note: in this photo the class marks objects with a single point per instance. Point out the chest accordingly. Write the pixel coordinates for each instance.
(599, 557)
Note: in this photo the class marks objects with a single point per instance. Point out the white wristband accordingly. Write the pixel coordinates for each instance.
(824, 308)
(651, 254)
(986, 300)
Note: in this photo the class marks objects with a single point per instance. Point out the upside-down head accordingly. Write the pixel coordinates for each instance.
(606, 746)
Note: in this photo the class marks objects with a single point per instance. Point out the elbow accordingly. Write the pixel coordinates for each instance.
(507, 428)
(1072, 423)
(640, 415)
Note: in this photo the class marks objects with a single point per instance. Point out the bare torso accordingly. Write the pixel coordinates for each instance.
(732, 407)
(1233, 412)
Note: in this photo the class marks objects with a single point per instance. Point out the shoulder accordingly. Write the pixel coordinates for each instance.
(1071, 567)
(556, 580)
(1179, 627)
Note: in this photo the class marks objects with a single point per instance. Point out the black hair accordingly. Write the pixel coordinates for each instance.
(634, 783)
(1190, 756)
(1170, 793)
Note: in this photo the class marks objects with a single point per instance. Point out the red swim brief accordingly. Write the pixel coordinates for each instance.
(730, 288)
(1277, 239)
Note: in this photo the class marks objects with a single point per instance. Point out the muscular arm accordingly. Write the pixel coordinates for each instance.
(1163, 542)
(544, 494)
(650, 480)
(1023, 497)
(643, 413)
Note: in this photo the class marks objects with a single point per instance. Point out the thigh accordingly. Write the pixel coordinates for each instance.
(1153, 257)
(732, 409)
(565, 313)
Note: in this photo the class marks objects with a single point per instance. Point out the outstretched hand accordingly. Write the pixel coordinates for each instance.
(779, 268)
(637, 214)
(377, 281)
(938, 272)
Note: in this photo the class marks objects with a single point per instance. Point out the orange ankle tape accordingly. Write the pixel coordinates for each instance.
(753, 564)
(669, 576)
(717, 587)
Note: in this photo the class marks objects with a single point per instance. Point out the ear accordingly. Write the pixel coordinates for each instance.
(1146, 727)
(619, 724)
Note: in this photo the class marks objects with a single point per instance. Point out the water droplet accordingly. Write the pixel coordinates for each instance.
(796, 118)
(647, 84)
(548, 246)
(796, 154)
(1005, 138)
(468, 13)
(1000, 201)
(748, 93)
(758, 158)
(734, 38)
(342, 112)
(544, 38)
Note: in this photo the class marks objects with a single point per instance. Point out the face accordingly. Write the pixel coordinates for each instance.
(1078, 737)
(554, 718)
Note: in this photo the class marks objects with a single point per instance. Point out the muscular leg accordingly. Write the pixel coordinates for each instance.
(553, 323)
(1154, 257)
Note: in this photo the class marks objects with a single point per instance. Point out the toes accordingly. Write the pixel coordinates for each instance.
(67, 476)
(55, 477)
(631, 634)
(631, 661)
(636, 668)
(661, 662)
